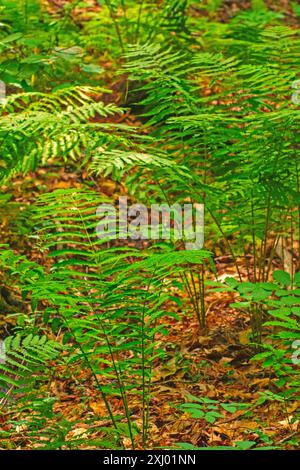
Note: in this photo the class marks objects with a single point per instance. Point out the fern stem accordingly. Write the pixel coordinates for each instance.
(103, 394)
(117, 371)
(116, 24)
(145, 401)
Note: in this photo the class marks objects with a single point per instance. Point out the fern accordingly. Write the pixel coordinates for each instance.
(25, 362)
(223, 137)
(218, 127)
(112, 314)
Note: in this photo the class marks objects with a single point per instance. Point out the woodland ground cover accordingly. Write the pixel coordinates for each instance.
(134, 344)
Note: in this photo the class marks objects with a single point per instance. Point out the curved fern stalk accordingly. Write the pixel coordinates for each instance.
(111, 352)
(86, 358)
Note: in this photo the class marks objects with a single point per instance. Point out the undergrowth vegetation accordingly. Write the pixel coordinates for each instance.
(171, 102)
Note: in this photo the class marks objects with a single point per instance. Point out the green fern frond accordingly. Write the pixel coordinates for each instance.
(25, 361)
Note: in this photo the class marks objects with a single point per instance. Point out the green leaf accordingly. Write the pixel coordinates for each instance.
(245, 445)
(282, 277)
(92, 68)
(297, 279)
